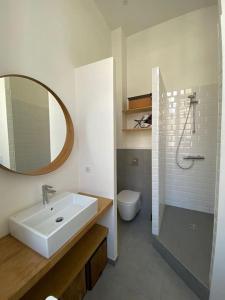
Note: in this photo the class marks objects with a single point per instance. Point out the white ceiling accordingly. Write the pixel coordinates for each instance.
(137, 15)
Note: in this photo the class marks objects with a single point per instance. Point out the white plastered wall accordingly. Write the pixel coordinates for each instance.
(120, 60)
(185, 49)
(95, 115)
(46, 40)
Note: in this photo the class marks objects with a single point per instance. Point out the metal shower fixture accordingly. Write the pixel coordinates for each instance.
(192, 158)
(192, 98)
(193, 103)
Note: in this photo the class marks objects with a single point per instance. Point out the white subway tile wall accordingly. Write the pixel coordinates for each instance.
(158, 150)
(194, 188)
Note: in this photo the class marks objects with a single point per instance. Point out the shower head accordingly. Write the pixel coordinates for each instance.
(192, 98)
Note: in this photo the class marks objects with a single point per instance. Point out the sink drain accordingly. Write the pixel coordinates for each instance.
(59, 219)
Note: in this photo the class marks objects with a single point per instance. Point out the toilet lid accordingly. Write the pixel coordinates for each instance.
(128, 197)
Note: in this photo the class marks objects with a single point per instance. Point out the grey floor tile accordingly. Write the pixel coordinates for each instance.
(188, 236)
(175, 289)
(140, 273)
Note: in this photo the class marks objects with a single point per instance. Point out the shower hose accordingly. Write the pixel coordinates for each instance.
(179, 144)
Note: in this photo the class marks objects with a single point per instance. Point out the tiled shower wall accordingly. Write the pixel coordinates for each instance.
(194, 188)
(158, 150)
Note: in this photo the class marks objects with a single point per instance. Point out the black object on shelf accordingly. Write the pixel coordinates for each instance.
(141, 123)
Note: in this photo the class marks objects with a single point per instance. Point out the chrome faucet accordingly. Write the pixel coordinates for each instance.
(46, 189)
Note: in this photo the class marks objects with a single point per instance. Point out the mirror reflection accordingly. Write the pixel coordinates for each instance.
(32, 125)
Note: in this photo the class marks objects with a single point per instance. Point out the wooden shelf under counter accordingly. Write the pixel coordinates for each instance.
(21, 268)
(63, 275)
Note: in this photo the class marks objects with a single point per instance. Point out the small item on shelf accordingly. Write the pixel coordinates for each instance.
(144, 122)
(140, 101)
(148, 119)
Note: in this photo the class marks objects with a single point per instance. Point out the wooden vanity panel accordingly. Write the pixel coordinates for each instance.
(77, 289)
(21, 267)
(59, 280)
(96, 265)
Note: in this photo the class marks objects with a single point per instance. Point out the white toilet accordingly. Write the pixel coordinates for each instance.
(129, 204)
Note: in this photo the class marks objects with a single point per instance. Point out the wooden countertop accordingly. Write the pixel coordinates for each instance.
(21, 267)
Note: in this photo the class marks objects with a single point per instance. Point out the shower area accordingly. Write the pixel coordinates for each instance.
(185, 148)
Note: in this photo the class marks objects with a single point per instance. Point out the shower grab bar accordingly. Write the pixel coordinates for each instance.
(194, 157)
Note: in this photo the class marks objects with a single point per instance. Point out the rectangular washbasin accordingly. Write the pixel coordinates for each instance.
(46, 228)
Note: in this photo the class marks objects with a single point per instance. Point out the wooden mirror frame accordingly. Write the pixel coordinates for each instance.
(69, 141)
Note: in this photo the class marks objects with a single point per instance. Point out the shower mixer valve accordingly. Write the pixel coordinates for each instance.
(194, 157)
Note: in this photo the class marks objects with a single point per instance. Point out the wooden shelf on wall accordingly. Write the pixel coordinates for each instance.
(143, 103)
(140, 101)
(137, 110)
(136, 129)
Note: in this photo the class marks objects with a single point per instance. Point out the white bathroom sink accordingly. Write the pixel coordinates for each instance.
(46, 228)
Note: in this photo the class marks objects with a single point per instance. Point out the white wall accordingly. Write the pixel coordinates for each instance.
(125, 140)
(96, 138)
(185, 49)
(158, 150)
(120, 60)
(218, 268)
(46, 40)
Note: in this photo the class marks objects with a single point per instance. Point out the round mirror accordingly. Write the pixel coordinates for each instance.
(36, 131)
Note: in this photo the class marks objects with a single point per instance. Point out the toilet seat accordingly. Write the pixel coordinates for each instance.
(127, 197)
